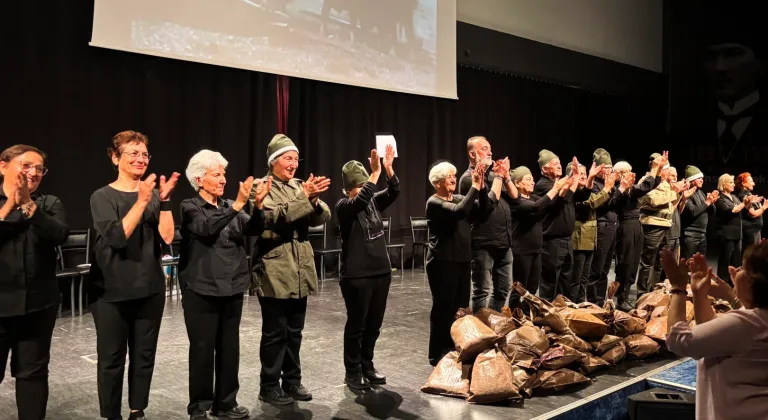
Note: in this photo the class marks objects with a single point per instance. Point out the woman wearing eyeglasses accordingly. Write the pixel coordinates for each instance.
(31, 226)
(131, 220)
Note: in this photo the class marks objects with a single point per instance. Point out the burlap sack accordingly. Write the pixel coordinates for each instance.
(492, 379)
(558, 380)
(472, 337)
(591, 364)
(450, 377)
(606, 343)
(616, 354)
(559, 357)
(524, 345)
(657, 328)
(572, 341)
(496, 321)
(542, 312)
(624, 324)
(652, 300)
(640, 346)
(585, 325)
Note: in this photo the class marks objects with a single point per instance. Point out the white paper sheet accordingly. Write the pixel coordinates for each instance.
(382, 141)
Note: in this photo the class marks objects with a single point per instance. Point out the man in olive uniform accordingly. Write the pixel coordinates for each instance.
(284, 270)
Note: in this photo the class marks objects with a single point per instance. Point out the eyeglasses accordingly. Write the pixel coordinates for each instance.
(136, 155)
(26, 167)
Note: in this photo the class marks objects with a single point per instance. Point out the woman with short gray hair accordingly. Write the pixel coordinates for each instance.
(450, 218)
(213, 272)
(728, 209)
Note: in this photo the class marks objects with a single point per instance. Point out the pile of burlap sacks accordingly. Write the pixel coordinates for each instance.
(511, 355)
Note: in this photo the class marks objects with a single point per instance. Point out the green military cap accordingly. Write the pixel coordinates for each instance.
(692, 173)
(353, 174)
(602, 157)
(545, 156)
(519, 172)
(279, 145)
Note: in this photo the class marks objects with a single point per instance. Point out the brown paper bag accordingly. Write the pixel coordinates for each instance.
(606, 343)
(558, 380)
(652, 300)
(450, 377)
(642, 314)
(496, 321)
(721, 306)
(609, 304)
(657, 328)
(616, 354)
(559, 357)
(492, 379)
(591, 364)
(472, 337)
(530, 338)
(585, 325)
(593, 309)
(640, 346)
(542, 312)
(572, 341)
(624, 324)
(659, 312)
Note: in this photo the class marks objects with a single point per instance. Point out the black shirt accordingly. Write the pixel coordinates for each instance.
(606, 212)
(494, 229)
(728, 222)
(628, 204)
(363, 241)
(213, 260)
(695, 215)
(560, 219)
(527, 233)
(450, 225)
(28, 256)
(749, 223)
(125, 268)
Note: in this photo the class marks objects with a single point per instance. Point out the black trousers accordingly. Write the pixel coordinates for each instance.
(629, 245)
(730, 255)
(582, 262)
(749, 238)
(132, 327)
(557, 269)
(691, 243)
(526, 269)
(27, 338)
(366, 301)
(213, 328)
(450, 285)
(654, 238)
(597, 286)
(282, 326)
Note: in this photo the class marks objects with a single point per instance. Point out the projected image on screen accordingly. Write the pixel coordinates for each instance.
(385, 42)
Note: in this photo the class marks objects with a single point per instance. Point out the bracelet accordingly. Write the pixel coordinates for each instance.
(165, 206)
(678, 292)
(736, 304)
(25, 209)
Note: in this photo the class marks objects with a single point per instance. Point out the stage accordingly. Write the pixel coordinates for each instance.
(400, 353)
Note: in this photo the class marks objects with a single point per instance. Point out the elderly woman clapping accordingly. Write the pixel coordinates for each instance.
(450, 217)
(214, 275)
(728, 208)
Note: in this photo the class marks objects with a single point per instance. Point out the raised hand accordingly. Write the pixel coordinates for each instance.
(562, 183)
(679, 187)
(389, 157)
(689, 192)
(593, 171)
(146, 188)
(628, 180)
(243, 193)
(713, 196)
(662, 160)
(501, 168)
(719, 289)
(701, 282)
(478, 176)
(22, 194)
(374, 162)
(316, 186)
(574, 167)
(610, 181)
(677, 270)
(167, 186)
(262, 189)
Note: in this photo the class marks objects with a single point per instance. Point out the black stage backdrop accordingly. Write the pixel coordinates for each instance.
(69, 99)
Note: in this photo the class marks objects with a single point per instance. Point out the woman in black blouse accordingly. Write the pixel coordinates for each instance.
(31, 226)
(528, 210)
(213, 272)
(751, 216)
(450, 219)
(131, 220)
(728, 213)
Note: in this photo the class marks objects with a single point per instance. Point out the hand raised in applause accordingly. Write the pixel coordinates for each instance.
(262, 190)
(594, 170)
(610, 181)
(374, 161)
(167, 186)
(315, 186)
(677, 270)
(146, 187)
(478, 176)
(243, 192)
(389, 159)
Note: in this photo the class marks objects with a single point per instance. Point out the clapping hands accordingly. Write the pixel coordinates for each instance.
(314, 186)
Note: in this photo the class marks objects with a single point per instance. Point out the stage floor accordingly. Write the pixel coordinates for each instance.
(400, 353)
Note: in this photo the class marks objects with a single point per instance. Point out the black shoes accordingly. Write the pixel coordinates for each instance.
(238, 412)
(137, 415)
(625, 306)
(297, 392)
(275, 396)
(375, 377)
(201, 415)
(357, 382)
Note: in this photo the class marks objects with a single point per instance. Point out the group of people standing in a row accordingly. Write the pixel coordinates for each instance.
(560, 234)
(132, 219)
(557, 235)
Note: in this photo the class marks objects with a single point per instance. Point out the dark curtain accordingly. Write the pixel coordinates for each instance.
(333, 124)
(69, 99)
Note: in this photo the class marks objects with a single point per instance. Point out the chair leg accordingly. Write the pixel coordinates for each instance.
(402, 263)
(338, 258)
(413, 258)
(80, 296)
(322, 268)
(72, 296)
(424, 265)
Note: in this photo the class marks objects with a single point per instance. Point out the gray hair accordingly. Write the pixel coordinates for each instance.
(202, 162)
(622, 166)
(440, 171)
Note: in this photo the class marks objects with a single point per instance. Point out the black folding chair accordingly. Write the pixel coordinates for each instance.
(420, 237)
(319, 233)
(173, 250)
(74, 263)
(387, 221)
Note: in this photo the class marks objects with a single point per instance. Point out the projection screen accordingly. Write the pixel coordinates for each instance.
(398, 45)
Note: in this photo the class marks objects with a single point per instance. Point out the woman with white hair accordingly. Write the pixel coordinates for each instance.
(728, 209)
(450, 217)
(213, 271)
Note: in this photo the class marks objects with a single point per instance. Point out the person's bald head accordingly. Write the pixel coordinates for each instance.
(479, 150)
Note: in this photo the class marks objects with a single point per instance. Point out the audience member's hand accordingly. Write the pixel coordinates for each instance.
(719, 289)
(677, 270)
(701, 282)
